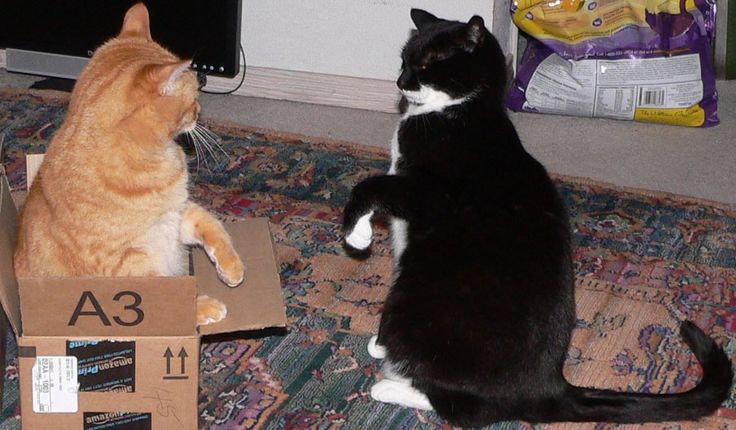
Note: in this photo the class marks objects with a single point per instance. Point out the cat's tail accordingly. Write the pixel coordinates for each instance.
(587, 404)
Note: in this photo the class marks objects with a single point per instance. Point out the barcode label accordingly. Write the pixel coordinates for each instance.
(651, 97)
(55, 384)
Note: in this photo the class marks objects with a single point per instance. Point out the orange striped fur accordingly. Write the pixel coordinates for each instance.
(111, 197)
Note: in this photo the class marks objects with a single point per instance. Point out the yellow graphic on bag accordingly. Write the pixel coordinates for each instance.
(693, 116)
(573, 21)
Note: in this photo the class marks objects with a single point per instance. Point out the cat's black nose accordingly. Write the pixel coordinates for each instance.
(407, 81)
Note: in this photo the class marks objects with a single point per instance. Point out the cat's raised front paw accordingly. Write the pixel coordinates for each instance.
(361, 235)
(230, 270)
(210, 310)
(375, 350)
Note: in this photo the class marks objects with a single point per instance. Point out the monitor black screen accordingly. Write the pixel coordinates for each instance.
(206, 31)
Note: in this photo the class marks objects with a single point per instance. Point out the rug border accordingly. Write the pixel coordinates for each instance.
(576, 180)
(730, 209)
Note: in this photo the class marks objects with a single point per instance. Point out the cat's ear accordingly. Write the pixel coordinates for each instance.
(476, 33)
(161, 77)
(136, 22)
(422, 18)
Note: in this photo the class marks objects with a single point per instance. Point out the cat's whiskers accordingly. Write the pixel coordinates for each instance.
(195, 144)
(205, 143)
(217, 140)
(200, 150)
(212, 138)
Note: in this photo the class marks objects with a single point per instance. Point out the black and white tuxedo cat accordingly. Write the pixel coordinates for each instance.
(478, 321)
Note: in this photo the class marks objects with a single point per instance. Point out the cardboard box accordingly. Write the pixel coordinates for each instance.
(123, 353)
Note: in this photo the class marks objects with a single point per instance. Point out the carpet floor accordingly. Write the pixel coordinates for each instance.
(644, 261)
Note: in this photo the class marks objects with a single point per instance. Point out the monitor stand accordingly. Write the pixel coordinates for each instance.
(58, 84)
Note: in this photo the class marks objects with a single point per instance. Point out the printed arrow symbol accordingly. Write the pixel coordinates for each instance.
(183, 355)
(168, 355)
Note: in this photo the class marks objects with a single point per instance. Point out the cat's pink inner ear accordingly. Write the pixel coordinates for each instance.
(476, 30)
(136, 22)
(163, 76)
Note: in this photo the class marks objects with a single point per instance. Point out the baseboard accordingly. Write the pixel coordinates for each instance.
(344, 91)
(722, 48)
(305, 87)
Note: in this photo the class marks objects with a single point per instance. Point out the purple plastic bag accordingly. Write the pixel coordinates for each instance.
(618, 60)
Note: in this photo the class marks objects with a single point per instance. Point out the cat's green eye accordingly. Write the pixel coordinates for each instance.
(423, 67)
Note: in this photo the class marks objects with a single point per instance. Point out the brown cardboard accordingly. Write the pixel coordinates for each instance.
(172, 402)
(155, 314)
(8, 228)
(256, 304)
(33, 163)
(109, 307)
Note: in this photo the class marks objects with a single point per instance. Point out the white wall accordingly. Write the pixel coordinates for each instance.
(360, 38)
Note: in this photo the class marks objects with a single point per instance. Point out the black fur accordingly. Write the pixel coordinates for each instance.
(482, 310)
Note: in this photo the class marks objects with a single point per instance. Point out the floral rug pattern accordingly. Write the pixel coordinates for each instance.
(644, 261)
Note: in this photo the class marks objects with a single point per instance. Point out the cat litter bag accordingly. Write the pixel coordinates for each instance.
(642, 60)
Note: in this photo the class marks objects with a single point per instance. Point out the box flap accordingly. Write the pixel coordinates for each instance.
(258, 302)
(8, 232)
(33, 164)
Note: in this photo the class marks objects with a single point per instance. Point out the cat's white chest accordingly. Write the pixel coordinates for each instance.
(432, 101)
(398, 227)
(395, 154)
(164, 246)
(162, 241)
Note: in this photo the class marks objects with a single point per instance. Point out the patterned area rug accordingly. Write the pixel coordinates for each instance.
(644, 262)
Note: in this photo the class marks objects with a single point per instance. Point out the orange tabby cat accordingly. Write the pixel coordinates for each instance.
(111, 197)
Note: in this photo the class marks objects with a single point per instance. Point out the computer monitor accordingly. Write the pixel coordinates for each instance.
(56, 38)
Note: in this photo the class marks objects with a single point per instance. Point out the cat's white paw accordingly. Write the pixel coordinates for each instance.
(362, 234)
(227, 278)
(400, 393)
(376, 350)
(210, 310)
